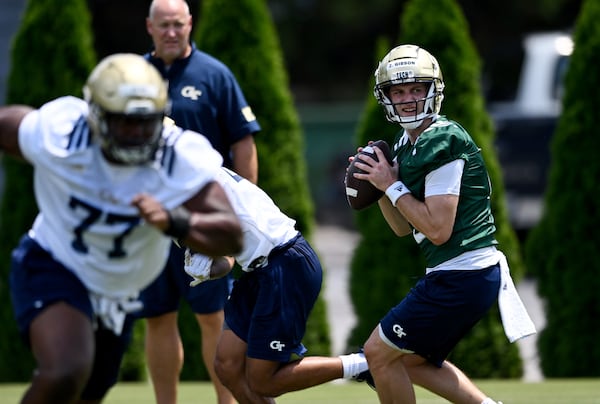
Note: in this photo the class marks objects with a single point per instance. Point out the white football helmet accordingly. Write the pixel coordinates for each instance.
(128, 100)
(409, 64)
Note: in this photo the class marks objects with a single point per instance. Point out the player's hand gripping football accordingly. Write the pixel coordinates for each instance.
(379, 172)
(369, 173)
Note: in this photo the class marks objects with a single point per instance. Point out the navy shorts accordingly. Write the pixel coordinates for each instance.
(439, 310)
(269, 307)
(37, 281)
(173, 284)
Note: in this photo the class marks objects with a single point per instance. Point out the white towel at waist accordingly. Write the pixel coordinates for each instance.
(515, 319)
(112, 311)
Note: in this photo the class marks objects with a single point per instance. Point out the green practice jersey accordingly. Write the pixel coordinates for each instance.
(445, 141)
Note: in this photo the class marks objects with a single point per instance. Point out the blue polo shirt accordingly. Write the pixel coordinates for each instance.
(207, 98)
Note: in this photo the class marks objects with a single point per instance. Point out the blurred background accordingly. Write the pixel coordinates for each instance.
(328, 48)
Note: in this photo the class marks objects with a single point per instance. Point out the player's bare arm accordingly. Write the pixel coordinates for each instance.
(434, 217)
(212, 226)
(215, 228)
(394, 218)
(10, 119)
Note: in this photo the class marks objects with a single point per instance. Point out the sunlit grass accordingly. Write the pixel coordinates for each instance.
(560, 391)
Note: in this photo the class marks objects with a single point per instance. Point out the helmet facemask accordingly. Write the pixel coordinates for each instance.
(409, 64)
(127, 100)
(122, 145)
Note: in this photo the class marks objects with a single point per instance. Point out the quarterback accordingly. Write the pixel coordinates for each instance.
(113, 186)
(438, 190)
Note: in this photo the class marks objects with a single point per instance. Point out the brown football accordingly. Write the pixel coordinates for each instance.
(361, 193)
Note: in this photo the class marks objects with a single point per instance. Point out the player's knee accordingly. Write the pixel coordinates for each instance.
(265, 388)
(227, 371)
(63, 383)
(370, 349)
(377, 355)
(265, 384)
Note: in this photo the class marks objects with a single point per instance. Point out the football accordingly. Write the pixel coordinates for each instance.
(361, 193)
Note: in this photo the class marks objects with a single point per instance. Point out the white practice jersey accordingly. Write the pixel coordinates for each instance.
(86, 220)
(263, 224)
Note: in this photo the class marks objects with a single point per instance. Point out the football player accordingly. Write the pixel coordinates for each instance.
(438, 190)
(113, 186)
(260, 353)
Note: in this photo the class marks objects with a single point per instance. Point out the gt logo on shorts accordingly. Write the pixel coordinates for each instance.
(276, 345)
(398, 330)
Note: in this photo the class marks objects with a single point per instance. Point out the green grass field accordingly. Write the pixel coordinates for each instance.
(563, 391)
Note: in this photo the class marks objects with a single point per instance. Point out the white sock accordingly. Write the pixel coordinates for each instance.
(490, 401)
(353, 364)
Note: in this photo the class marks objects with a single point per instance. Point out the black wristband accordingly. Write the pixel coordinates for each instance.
(179, 223)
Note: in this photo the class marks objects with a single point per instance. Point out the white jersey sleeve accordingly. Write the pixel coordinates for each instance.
(264, 225)
(445, 180)
(86, 220)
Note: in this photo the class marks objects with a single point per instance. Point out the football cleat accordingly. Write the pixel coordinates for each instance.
(367, 377)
